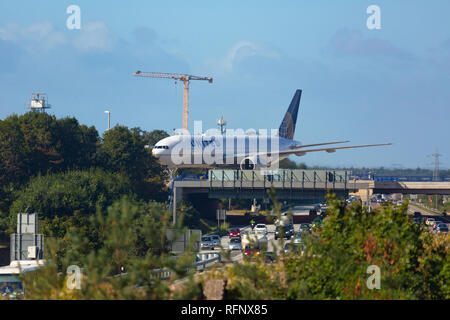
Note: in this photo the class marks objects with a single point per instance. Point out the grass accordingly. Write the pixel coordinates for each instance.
(423, 208)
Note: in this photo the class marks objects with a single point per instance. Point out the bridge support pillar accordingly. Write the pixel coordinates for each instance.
(177, 197)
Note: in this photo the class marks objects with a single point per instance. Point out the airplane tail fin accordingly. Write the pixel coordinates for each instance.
(287, 127)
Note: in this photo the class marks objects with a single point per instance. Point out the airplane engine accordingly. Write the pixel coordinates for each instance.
(252, 163)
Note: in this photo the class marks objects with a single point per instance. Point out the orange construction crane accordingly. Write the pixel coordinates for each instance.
(182, 77)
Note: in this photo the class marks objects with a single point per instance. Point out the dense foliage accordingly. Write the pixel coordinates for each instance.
(414, 263)
(132, 247)
(62, 169)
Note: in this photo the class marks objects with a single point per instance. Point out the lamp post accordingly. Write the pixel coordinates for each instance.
(109, 118)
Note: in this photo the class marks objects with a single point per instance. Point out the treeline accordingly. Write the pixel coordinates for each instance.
(62, 169)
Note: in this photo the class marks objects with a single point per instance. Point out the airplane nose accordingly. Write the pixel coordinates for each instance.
(155, 153)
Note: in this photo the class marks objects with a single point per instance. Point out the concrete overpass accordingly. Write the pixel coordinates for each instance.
(298, 185)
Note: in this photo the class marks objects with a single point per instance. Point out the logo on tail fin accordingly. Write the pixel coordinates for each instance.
(287, 127)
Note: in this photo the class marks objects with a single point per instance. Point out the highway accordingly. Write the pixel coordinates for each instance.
(273, 245)
(425, 214)
(236, 255)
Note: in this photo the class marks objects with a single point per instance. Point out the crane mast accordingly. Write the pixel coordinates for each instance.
(181, 77)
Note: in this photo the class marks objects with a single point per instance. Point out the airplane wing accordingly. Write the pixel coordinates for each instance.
(300, 151)
(296, 148)
(321, 144)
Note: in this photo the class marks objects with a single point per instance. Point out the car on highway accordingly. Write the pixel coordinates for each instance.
(252, 239)
(284, 231)
(305, 227)
(235, 243)
(429, 221)
(434, 224)
(260, 228)
(323, 209)
(442, 228)
(285, 218)
(290, 247)
(234, 232)
(418, 220)
(207, 243)
(252, 250)
(297, 237)
(216, 240)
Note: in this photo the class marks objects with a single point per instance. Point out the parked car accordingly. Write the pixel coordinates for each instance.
(442, 228)
(234, 232)
(429, 221)
(261, 228)
(207, 243)
(285, 231)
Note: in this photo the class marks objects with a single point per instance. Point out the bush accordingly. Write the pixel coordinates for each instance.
(132, 243)
(414, 263)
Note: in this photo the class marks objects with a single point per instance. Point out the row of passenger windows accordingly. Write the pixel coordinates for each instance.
(162, 147)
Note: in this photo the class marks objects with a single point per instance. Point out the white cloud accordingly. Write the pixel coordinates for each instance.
(35, 38)
(95, 36)
(353, 43)
(238, 52)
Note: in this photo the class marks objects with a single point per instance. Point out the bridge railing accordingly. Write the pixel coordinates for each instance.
(281, 175)
(402, 178)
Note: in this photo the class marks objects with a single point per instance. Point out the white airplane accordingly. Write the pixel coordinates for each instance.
(247, 152)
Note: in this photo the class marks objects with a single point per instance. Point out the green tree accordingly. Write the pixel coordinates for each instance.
(123, 150)
(37, 143)
(58, 197)
(116, 269)
(152, 137)
(289, 164)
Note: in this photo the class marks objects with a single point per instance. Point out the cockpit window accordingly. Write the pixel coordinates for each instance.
(162, 147)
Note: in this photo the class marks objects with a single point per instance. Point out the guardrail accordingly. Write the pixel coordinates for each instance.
(402, 178)
(206, 260)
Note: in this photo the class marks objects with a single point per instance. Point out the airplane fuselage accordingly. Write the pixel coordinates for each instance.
(221, 151)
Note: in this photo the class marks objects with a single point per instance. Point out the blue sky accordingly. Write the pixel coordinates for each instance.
(367, 86)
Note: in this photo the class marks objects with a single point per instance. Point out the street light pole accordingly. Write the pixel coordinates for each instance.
(109, 119)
